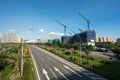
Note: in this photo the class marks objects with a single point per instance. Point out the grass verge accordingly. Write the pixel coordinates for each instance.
(28, 69)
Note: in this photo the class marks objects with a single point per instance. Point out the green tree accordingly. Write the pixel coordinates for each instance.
(88, 50)
(115, 49)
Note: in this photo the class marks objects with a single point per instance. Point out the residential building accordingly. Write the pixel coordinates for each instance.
(19, 40)
(105, 39)
(9, 38)
(97, 38)
(52, 35)
(12, 38)
(5, 38)
(109, 39)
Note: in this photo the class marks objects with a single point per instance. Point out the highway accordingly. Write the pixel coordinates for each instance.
(51, 67)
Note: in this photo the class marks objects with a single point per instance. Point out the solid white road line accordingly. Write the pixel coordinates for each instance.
(97, 78)
(35, 64)
(45, 73)
(72, 70)
(60, 72)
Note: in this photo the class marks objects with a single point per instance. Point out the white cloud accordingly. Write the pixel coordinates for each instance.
(12, 30)
(59, 34)
(42, 31)
(56, 34)
(52, 33)
(27, 31)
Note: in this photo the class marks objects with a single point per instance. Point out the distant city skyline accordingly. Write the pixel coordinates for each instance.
(20, 15)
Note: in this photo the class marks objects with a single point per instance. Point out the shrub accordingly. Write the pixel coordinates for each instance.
(75, 52)
(83, 56)
(57, 52)
(3, 63)
(53, 51)
(72, 58)
(94, 66)
(84, 63)
(67, 52)
(102, 61)
(92, 58)
(50, 50)
(106, 61)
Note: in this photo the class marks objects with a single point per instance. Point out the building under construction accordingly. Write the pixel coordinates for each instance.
(85, 38)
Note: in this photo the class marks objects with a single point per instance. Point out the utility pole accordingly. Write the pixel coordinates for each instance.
(63, 26)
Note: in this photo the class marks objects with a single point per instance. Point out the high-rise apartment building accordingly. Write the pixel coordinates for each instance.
(9, 38)
(97, 38)
(105, 39)
(19, 40)
(5, 38)
(109, 39)
(13, 38)
(52, 35)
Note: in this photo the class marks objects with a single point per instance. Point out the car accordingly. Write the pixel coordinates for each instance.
(109, 51)
(118, 57)
(110, 57)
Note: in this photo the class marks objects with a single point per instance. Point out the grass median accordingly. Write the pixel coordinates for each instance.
(28, 69)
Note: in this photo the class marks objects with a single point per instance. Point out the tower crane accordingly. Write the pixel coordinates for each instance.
(73, 32)
(88, 22)
(63, 26)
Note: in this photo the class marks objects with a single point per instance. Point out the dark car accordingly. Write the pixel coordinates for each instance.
(118, 57)
(110, 57)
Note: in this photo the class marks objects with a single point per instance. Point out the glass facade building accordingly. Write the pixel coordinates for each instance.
(65, 39)
(84, 37)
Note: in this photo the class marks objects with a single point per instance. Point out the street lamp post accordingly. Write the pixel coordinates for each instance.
(22, 52)
(22, 56)
(80, 48)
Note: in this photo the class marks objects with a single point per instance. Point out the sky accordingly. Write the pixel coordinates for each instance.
(35, 19)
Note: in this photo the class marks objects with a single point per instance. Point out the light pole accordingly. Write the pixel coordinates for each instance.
(22, 56)
(80, 50)
(80, 47)
(22, 52)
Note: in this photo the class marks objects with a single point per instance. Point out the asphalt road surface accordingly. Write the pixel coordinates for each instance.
(51, 67)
